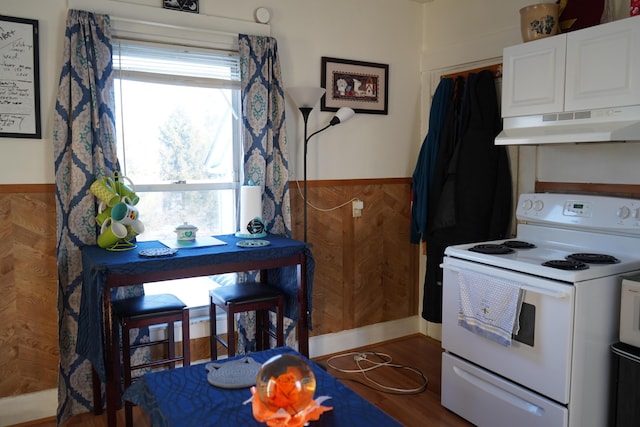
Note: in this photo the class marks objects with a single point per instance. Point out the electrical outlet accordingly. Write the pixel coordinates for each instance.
(357, 206)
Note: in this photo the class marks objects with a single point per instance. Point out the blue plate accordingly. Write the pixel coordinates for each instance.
(157, 252)
(252, 243)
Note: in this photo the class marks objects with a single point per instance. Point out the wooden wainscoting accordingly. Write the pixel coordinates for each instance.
(366, 269)
(631, 191)
(29, 284)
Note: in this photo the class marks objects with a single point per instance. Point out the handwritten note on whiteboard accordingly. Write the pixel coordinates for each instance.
(19, 78)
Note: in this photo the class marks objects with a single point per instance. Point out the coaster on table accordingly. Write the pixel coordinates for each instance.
(252, 243)
(241, 373)
(157, 252)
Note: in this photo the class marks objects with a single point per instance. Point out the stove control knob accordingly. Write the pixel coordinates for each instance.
(624, 212)
(636, 213)
(527, 204)
(538, 205)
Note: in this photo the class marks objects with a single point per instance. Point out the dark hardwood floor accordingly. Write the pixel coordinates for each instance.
(421, 409)
(413, 410)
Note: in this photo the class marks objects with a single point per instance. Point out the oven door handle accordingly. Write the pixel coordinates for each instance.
(552, 294)
(541, 291)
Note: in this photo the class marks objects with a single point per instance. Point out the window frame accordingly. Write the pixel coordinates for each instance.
(200, 311)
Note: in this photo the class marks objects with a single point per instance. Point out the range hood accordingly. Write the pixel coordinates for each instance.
(604, 125)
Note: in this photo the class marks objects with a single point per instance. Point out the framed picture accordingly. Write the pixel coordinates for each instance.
(19, 78)
(182, 5)
(363, 86)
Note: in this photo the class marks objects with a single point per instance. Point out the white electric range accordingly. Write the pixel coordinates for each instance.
(568, 258)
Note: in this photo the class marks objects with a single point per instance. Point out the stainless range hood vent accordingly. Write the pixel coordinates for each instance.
(605, 125)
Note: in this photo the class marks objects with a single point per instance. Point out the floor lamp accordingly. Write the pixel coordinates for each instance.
(305, 99)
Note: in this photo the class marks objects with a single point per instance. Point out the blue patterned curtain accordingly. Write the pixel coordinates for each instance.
(84, 149)
(266, 161)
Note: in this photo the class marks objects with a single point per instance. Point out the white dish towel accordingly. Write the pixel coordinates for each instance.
(489, 307)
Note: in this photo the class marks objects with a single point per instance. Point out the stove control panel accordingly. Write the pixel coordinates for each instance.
(576, 208)
(624, 212)
(613, 214)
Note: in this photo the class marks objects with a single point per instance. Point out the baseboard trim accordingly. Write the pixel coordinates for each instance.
(44, 404)
(28, 407)
(323, 345)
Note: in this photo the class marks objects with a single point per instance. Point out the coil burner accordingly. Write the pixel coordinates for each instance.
(594, 258)
(518, 244)
(566, 264)
(492, 249)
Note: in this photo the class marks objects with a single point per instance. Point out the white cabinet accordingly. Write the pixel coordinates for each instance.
(603, 66)
(533, 77)
(597, 67)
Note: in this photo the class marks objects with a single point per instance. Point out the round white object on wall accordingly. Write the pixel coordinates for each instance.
(262, 15)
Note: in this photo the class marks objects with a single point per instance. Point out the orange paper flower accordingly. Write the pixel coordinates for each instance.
(286, 396)
(284, 392)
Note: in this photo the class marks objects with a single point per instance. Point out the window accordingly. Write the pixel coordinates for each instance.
(179, 142)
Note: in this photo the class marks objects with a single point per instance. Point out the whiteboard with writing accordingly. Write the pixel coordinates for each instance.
(19, 78)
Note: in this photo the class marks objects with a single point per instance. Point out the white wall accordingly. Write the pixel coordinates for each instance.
(368, 146)
(383, 31)
(29, 161)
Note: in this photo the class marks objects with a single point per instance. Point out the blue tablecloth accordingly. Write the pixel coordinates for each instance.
(97, 263)
(183, 397)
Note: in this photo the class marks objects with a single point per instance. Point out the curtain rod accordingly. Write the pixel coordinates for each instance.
(133, 13)
(496, 70)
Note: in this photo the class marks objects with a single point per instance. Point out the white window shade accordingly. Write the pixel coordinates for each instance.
(132, 57)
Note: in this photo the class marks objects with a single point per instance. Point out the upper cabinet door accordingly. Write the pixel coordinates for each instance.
(533, 79)
(603, 66)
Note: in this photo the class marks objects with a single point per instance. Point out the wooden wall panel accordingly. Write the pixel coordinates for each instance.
(34, 222)
(401, 260)
(631, 191)
(28, 307)
(366, 269)
(9, 372)
(368, 246)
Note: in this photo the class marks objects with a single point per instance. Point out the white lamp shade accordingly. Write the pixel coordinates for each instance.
(344, 114)
(305, 97)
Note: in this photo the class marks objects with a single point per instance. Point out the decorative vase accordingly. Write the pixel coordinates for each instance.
(538, 21)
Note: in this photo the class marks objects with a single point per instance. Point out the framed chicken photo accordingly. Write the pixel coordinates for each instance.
(362, 86)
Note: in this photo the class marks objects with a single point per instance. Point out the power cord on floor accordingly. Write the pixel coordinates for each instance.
(365, 364)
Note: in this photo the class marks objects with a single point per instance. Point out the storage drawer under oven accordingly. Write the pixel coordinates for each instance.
(541, 359)
(488, 400)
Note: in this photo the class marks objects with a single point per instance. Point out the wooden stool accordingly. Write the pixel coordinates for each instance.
(243, 297)
(148, 310)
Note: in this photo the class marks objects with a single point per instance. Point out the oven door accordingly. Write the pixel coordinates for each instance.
(539, 357)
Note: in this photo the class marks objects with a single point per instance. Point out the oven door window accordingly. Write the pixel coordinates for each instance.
(527, 333)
